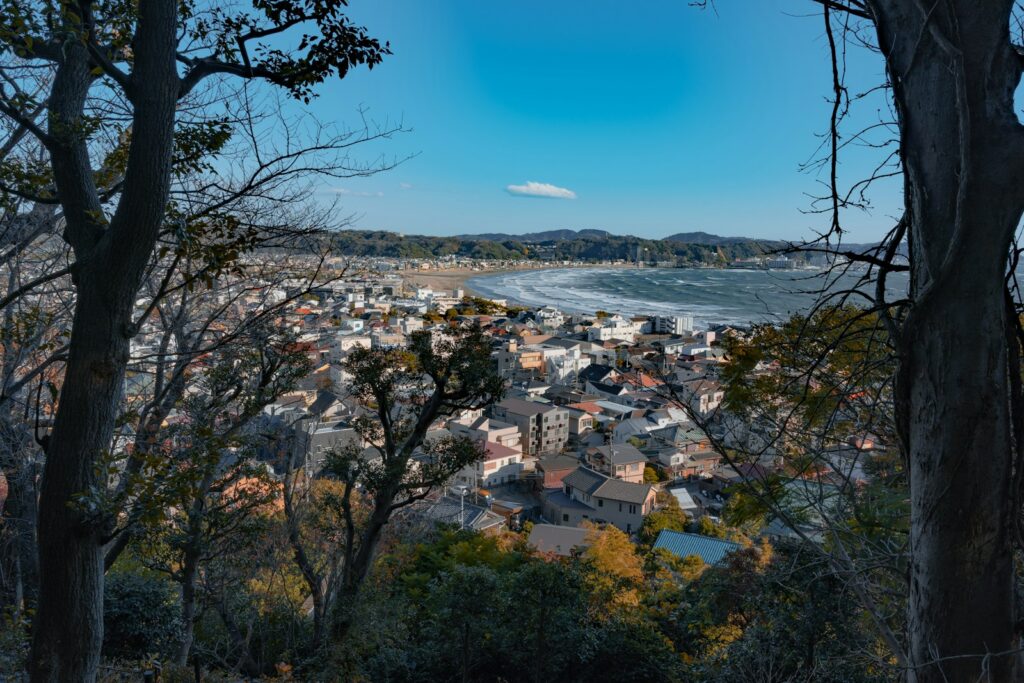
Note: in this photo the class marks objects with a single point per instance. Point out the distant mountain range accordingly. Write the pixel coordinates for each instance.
(556, 245)
(543, 236)
(699, 237)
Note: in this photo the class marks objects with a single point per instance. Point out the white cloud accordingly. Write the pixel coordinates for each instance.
(535, 189)
(405, 186)
(354, 193)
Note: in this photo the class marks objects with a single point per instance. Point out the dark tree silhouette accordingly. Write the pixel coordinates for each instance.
(953, 69)
(143, 60)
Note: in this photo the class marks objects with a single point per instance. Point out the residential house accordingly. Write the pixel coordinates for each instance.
(479, 427)
(680, 463)
(580, 423)
(587, 495)
(500, 465)
(621, 461)
(552, 469)
(516, 360)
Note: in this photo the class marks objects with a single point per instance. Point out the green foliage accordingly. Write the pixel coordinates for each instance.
(651, 475)
(671, 517)
(785, 620)
(483, 608)
(479, 306)
(633, 647)
(407, 389)
(616, 570)
(705, 526)
(140, 616)
(587, 248)
(14, 642)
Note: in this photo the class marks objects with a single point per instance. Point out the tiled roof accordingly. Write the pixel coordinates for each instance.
(596, 484)
(518, 406)
(496, 451)
(711, 550)
(585, 480)
(616, 489)
(561, 540)
(586, 407)
(554, 463)
(621, 453)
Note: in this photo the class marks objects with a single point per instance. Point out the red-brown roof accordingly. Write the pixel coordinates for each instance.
(496, 451)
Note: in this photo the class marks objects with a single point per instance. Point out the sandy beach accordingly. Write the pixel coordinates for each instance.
(453, 278)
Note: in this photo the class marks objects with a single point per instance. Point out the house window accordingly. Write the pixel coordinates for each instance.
(600, 503)
(632, 509)
(565, 517)
(620, 507)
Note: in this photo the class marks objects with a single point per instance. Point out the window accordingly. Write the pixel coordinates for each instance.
(600, 502)
(632, 509)
(565, 517)
(620, 507)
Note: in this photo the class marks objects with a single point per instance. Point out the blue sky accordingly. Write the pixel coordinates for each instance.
(657, 117)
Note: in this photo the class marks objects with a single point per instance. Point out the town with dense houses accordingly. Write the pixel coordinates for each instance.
(603, 419)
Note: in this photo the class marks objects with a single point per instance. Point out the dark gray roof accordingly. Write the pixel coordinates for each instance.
(616, 489)
(611, 389)
(705, 455)
(584, 479)
(561, 540)
(558, 499)
(562, 342)
(447, 510)
(595, 372)
(621, 453)
(324, 400)
(596, 484)
(558, 462)
(519, 406)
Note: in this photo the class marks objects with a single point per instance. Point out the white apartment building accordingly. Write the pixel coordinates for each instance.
(668, 324)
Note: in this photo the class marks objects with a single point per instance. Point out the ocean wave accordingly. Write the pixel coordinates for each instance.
(710, 296)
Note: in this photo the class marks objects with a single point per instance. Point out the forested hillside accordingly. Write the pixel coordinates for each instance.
(585, 246)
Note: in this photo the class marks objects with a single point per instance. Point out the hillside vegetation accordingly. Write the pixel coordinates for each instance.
(585, 245)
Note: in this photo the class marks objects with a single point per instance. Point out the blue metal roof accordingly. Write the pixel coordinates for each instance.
(711, 550)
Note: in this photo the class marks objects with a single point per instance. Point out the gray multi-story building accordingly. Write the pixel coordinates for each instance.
(544, 427)
(315, 440)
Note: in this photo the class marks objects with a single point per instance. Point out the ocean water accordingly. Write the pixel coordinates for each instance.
(737, 297)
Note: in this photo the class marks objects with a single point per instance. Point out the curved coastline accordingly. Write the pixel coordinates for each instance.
(737, 297)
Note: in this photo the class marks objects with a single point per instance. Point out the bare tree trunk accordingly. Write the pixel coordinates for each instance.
(69, 628)
(189, 570)
(246, 663)
(110, 261)
(317, 583)
(20, 567)
(357, 567)
(953, 72)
